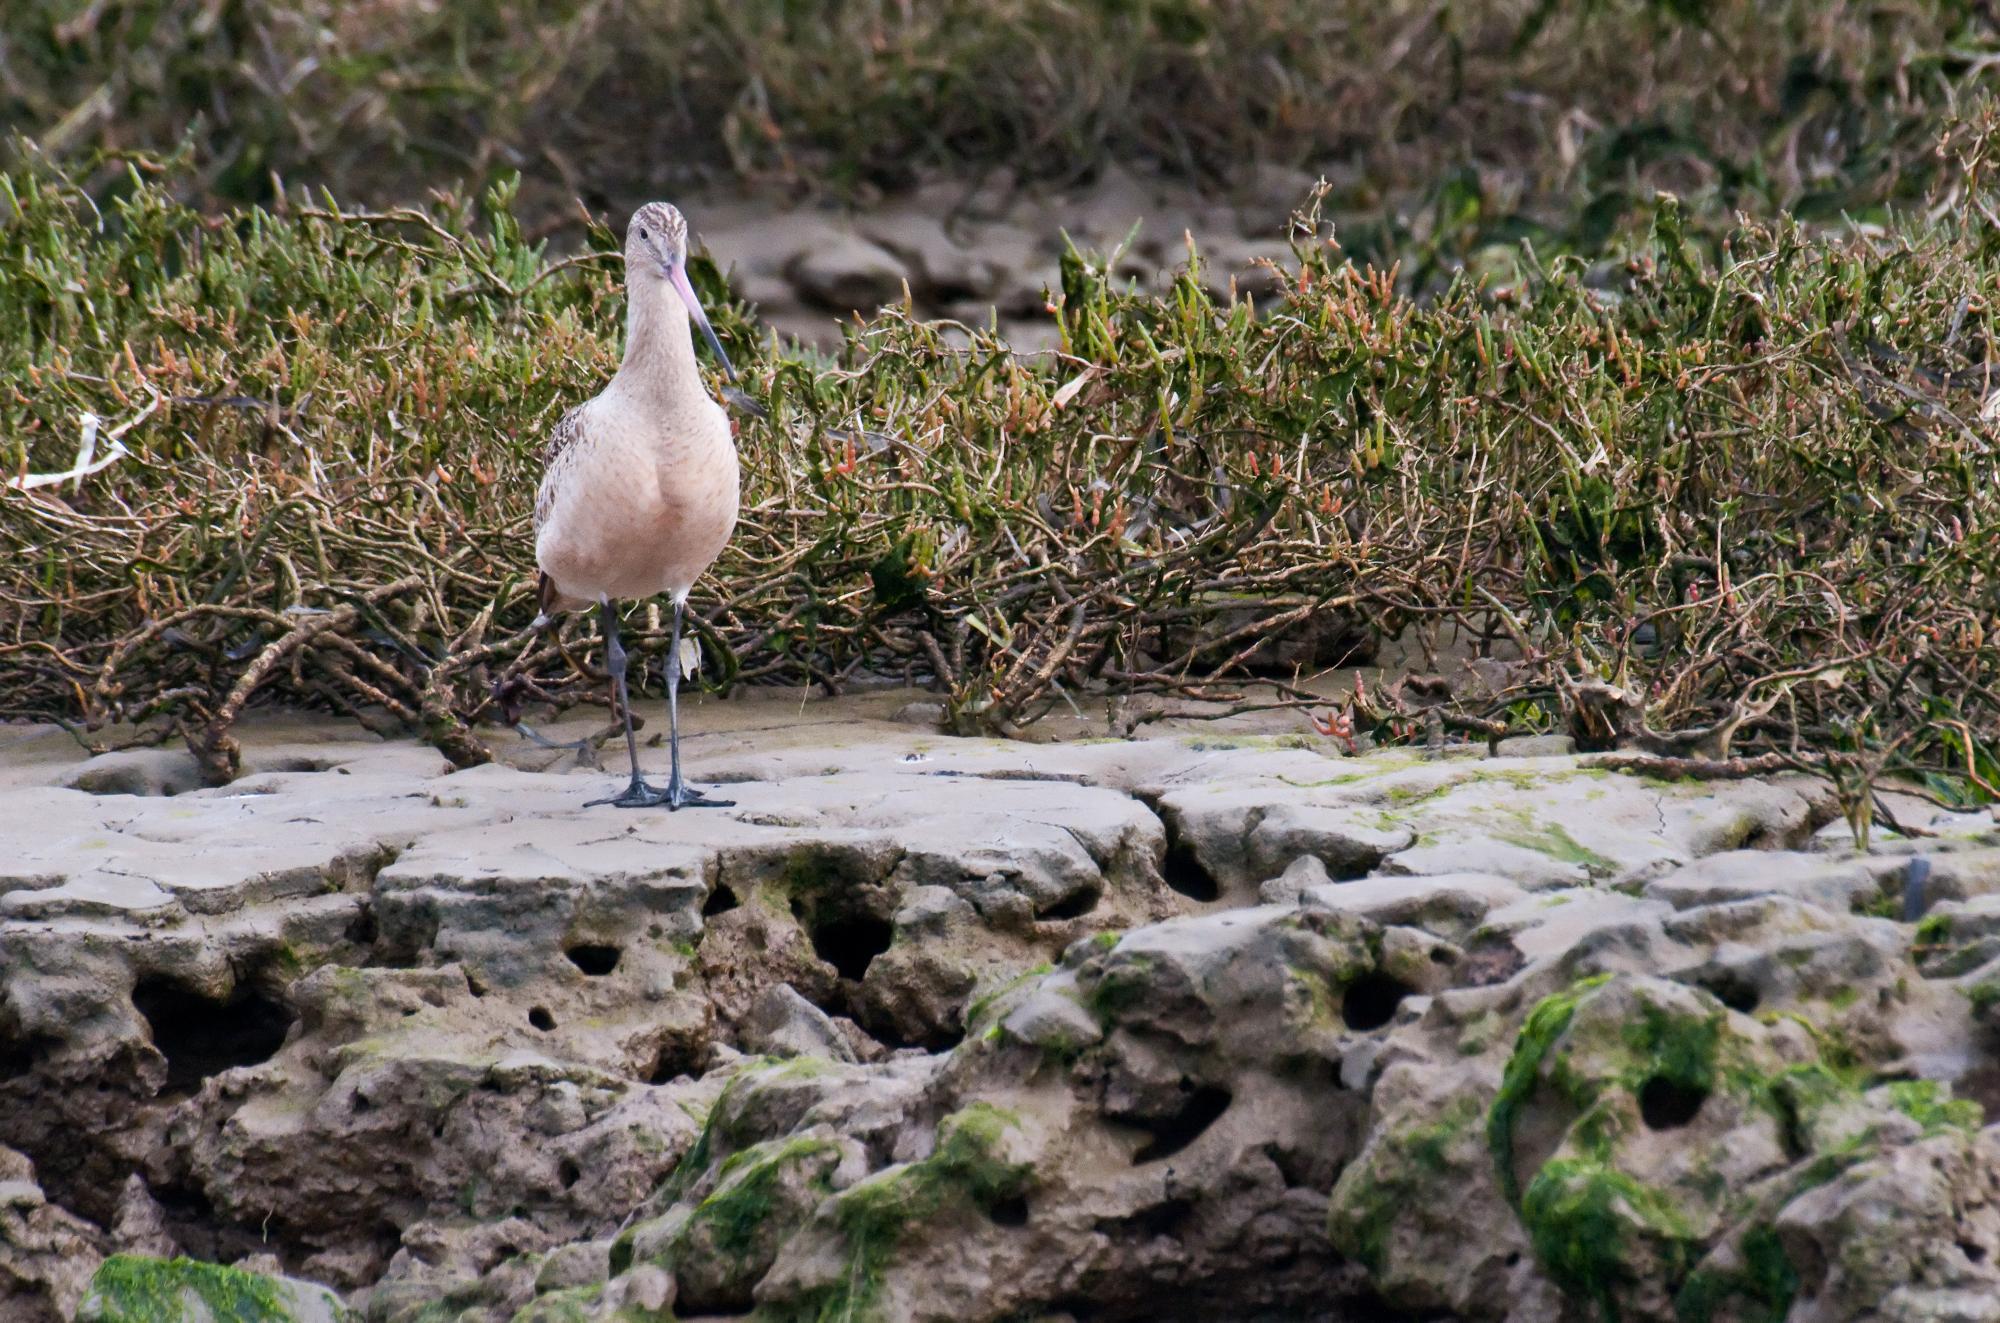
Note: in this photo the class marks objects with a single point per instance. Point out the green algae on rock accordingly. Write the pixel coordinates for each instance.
(965, 1173)
(758, 1197)
(1395, 1175)
(1671, 1132)
(132, 1288)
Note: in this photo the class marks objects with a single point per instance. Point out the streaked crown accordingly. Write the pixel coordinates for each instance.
(660, 226)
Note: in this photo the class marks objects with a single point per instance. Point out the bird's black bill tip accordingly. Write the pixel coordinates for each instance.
(721, 356)
(678, 274)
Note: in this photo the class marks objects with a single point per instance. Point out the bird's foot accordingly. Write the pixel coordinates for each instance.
(681, 795)
(677, 795)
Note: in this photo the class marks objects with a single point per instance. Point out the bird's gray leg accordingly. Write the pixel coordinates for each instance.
(638, 794)
(679, 793)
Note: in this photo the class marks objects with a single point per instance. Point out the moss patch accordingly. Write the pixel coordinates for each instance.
(1983, 996)
(1679, 1049)
(963, 1172)
(1581, 1216)
(1762, 1289)
(1554, 840)
(1394, 1178)
(976, 1009)
(1931, 1106)
(1880, 905)
(131, 1288)
(744, 1203)
(1545, 1024)
(1119, 988)
(1597, 1230)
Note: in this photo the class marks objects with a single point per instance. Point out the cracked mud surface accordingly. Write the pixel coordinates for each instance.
(1206, 1025)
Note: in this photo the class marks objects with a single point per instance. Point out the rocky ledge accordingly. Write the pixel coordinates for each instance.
(1193, 1027)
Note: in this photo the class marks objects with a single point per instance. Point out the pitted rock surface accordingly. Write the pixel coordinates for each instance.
(1209, 1024)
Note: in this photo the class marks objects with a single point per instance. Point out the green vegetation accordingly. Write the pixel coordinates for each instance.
(739, 1214)
(1880, 905)
(293, 495)
(963, 1173)
(330, 418)
(1466, 125)
(1680, 1050)
(1392, 1178)
(1767, 1281)
(1763, 1277)
(976, 1009)
(1582, 1213)
(1539, 1032)
(1121, 985)
(1588, 1218)
(130, 1288)
(1931, 1106)
(1554, 840)
(1581, 1216)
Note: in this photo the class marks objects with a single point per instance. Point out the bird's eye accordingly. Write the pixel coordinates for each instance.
(643, 234)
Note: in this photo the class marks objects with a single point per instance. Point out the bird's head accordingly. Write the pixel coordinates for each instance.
(656, 247)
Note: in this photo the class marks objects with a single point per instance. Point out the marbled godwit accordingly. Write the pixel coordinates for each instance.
(639, 494)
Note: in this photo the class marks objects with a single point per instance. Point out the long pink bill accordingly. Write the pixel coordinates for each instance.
(678, 274)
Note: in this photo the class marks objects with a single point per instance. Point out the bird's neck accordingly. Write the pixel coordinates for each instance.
(659, 346)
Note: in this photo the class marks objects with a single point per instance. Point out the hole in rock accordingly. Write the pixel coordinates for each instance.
(936, 1038)
(1371, 1001)
(1010, 1212)
(1296, 1168)
(1976, 1253)
(1197, 1112)
(190, 1220)
(677, 1060)
(850, 942)
(20, 1056)
(594, 960)
(1732, 990)
(1071, 907)
(1163, 1219)
(1494, 960)
(569, 1173)
(408, 941)
(1185, 874)
(1667, 1105)
(200, 1037)
(541, 1019)
(720, 901)
(362, 929)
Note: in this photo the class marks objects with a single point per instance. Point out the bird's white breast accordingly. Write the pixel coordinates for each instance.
(642, 501)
